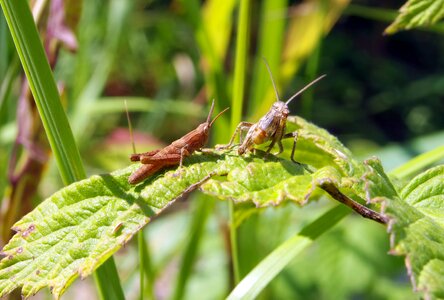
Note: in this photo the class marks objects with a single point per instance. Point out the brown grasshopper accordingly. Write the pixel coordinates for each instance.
(174, 153)
(270, 127)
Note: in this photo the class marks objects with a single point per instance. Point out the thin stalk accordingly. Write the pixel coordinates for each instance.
(140, 242)
(147, 267)
(200, 217)
(242, 42)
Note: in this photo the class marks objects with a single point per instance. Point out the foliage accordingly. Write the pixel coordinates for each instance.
(75, 230)
(71, 233)
(417, 231)
(167, 58)
(416, 13)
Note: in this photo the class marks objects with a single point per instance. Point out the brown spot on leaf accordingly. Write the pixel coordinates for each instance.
(19, 250)
(37, 272)
(28, 231)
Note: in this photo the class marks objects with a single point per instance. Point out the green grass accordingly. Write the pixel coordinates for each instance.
(57, 128)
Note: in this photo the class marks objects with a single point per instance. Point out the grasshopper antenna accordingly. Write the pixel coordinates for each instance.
(130, 127)
(211, 112)
(272, 80)
(218, 115)
(304, 88)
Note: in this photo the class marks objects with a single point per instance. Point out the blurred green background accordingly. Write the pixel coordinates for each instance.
(383, 95)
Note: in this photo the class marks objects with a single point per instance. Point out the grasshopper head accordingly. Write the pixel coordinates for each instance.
(280, 109)
(205, 127)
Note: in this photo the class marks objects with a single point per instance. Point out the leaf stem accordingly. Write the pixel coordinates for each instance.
(233, 244)
(366, 212)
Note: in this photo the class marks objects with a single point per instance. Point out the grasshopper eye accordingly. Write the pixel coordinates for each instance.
(276, 105)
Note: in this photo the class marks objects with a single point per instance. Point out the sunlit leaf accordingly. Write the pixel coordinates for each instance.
(417, 13)
(416, 225)
(417, 230)
(71, 233)
(75, 230)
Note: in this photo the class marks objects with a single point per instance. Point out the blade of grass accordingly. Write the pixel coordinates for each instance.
(147, 266)
(4, 41)
(242, 43)
(6, 85)
(107, 105)
(108, 282)
(418, 163)
(43, 87)
(252, 284)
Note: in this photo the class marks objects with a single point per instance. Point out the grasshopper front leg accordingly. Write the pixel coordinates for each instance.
(241, 127)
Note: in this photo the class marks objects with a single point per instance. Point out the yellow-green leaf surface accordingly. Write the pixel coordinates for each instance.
(417, 230)
(71, 233)
(75, 230)
(417, 13)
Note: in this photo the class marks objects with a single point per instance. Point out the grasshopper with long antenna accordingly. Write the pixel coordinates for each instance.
(174, 153)
(271, 127)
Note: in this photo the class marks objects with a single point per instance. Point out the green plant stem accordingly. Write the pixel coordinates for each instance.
(233, 244)
(240, 63)
(107, 283)
(200, 216)
(145, 268)
(55, 122)
(236, 112)
(141, 242)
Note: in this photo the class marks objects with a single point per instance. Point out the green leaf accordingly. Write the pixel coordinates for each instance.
(417, 13)
(74, 231)
(417, 230)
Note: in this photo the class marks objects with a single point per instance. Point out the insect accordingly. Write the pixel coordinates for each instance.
(270, 127)
(174, 153)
